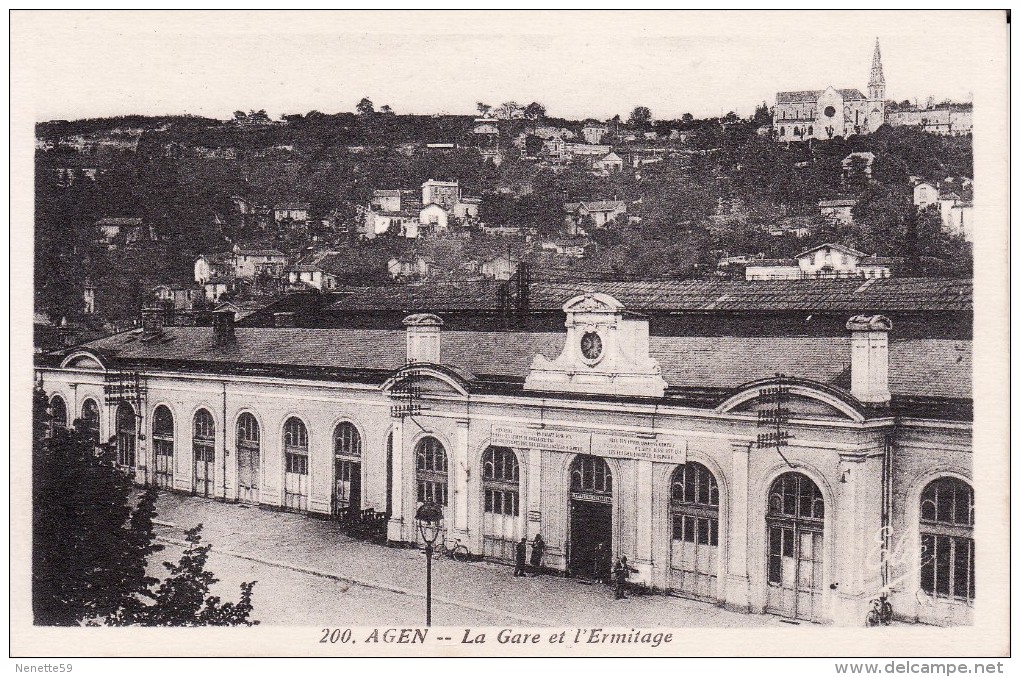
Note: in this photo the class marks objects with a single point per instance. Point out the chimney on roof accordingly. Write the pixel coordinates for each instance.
(283, 320)
(152, 322)
(223, 326)
(423, 338)
(869, 358)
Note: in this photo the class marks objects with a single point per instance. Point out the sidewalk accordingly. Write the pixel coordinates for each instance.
(295, 543)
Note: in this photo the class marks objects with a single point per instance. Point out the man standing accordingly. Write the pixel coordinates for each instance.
(537, 551)
(621, 572)
(521, 559)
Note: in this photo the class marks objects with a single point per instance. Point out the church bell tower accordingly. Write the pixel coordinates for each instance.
(876, 84)
(876, 92)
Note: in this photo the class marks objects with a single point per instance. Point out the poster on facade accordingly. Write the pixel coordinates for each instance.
(535, 333)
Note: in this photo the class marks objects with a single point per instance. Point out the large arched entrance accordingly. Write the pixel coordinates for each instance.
(795, 557)
(163, 446)
(591, 518)
(501, 503)
(694, 548)
(203, 449)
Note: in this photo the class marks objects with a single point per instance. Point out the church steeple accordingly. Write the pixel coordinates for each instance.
(876, 85)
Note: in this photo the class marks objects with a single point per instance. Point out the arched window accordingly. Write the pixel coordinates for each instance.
(58, 413)
(346, 468)
(295, 446)
(501, 478)
(810, 130)
(347, 440)
(782, 130)
(126, 435)
(248, 457)
(695, 495)
(431, 471)
(794, 495)
(90, 419)
(163, 445)
(591, 474)
(947, 539)
(203, 448)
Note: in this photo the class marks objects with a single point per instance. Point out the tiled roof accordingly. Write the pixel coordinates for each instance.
(807, 96)
(604, 205)
(926, 367)
(119, 221)
(291, 205)
(838, 247)
(772, 262)
(259, 252)
(386, 193)
(846, 202)
(884, 295)
(304, 268)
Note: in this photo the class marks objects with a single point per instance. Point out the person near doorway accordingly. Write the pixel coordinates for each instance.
(521, 558)
(537, 552)
(621, 573)
(601, 571)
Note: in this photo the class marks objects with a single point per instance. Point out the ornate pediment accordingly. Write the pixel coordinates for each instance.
(605, 352)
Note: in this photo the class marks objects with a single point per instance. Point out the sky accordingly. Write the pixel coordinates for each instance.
(577, 64)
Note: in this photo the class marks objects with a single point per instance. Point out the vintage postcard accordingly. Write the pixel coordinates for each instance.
(534, 333)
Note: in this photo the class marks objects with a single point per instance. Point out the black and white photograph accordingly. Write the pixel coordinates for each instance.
(510, 333)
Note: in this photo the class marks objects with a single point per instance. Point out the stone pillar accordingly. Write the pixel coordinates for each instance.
(737, 525)
(643, 514)
(856, 552)
(533, 493)
(395, 528)
(461, 469)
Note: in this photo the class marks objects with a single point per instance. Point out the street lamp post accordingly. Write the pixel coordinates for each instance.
(430, 519)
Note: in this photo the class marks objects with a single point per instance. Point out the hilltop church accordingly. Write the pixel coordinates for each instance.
(828, 113)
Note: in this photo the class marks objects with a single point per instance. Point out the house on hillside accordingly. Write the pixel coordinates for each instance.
(250, 263)
(594, 131)
(467, 208)
(208, 266)
(862, 160)
(296, 212)
(821, 262)
(409, 268)
(839, 210)
(499, 267)
(117, 231)
(596, 213)
(956, 207)
(216, 287)
(304, 275)
(433, 219)
(574, 248)
(443, 193)
(609, 164)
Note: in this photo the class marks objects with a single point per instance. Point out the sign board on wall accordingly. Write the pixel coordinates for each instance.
(660, 449)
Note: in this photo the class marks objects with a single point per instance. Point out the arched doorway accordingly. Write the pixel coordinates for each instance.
(126, 435)
(163, 446)
(58, 414)
(203, 449)
(795, 522)
(501, 503)
(295, 475)
(694, 551)
(249, 458)
(591, 517)
(90, 419)
(346, 470)
(431, 472)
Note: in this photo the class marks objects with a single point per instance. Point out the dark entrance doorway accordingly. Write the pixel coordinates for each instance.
(591, 518)
(591, 533)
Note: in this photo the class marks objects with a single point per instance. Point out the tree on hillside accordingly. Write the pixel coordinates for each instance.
(641, 116)
(762, 114)
(386, 110)
(365, 107)
(483, 108)
(534, 111)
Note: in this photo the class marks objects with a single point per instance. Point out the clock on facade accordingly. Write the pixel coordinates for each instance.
(591, 345)
(829, 111)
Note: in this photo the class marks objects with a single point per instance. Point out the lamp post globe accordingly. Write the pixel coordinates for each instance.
(429, 517)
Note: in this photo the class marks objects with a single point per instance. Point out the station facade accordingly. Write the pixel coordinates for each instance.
(805, 494)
